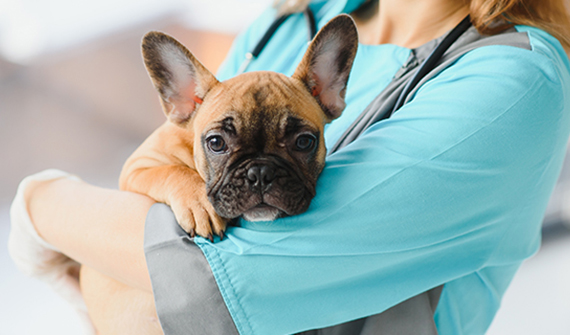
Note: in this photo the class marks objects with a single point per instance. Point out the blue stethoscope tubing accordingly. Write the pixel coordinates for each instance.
(427, 66)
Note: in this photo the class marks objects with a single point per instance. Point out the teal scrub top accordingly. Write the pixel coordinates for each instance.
(450, 190)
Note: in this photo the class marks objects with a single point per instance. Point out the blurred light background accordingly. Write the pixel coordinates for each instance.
(74, 95)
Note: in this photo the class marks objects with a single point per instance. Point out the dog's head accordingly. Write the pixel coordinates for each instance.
(258, 137)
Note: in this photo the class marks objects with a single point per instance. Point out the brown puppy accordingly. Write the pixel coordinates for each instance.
(250, 146)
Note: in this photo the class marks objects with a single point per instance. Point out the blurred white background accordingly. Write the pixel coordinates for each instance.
(74, 95)
(30, 28)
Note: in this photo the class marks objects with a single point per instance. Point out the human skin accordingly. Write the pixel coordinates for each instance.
(103, 229)
(100, 228)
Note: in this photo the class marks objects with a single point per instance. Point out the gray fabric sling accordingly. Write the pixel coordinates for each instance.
(186, 295)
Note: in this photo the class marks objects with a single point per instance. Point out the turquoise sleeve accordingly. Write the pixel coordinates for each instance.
(451, 189)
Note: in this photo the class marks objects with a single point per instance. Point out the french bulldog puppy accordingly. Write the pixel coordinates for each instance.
(250, 146)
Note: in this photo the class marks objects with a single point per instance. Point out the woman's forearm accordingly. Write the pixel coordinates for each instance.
(98, 227)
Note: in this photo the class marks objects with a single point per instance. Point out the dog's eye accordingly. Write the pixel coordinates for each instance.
(305, 142)
(216, 144)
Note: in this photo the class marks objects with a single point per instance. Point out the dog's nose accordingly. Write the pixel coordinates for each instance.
(261, 175)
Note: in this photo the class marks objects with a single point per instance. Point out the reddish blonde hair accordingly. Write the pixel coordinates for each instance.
(493, 16)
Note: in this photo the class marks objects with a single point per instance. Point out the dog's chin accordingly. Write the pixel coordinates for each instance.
(261, 212)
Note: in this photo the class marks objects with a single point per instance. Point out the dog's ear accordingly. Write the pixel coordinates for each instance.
(180, 79)
(326, 65)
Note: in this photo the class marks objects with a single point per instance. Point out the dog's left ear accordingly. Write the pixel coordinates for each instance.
(180, 79)
(326, 65)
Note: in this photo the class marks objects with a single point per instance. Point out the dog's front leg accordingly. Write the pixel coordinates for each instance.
(184, 191)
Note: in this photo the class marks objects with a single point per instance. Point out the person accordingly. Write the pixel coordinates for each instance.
(450, 190)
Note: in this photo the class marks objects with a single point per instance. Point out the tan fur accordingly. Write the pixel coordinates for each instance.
(163, 168)
(170, 166)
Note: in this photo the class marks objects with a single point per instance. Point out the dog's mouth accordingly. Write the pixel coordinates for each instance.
(262, 212)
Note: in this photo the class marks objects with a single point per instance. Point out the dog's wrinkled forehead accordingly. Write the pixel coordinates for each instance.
(268, 98)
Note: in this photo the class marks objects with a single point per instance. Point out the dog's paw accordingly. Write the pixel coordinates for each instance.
(198, 217)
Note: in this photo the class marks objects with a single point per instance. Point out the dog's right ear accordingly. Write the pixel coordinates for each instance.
(180, 79)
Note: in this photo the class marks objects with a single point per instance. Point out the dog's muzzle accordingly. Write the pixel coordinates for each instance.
(262, 189)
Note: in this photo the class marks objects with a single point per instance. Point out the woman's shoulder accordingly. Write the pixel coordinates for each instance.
(544, 46)
(517, 58)
(528, 48)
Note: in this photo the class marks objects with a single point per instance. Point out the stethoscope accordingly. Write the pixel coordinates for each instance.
(427, 66)
(431, 62)
(312, 28)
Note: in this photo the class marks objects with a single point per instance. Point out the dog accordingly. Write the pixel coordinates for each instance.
(251, 146)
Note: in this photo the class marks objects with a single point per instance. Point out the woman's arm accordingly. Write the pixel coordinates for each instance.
(98, 227)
